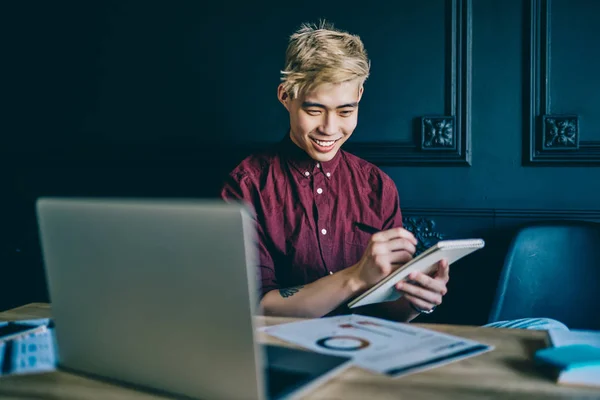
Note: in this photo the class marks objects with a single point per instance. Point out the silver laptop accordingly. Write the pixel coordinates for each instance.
(160, 294)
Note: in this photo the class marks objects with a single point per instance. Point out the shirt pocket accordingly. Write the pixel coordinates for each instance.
(355, 244)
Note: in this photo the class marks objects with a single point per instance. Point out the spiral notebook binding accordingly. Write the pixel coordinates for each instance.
(461, 244)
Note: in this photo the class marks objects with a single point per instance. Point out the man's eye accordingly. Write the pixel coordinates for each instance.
(313, 112)
(346, 113)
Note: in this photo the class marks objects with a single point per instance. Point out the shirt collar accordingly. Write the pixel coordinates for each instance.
(303, 163)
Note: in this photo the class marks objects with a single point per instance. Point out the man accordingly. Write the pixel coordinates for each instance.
(317, 206)
(310, 197)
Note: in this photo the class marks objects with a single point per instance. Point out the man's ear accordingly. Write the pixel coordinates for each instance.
(283, 96)
(361, 89)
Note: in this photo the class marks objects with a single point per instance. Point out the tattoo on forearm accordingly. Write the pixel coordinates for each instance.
(287, 292)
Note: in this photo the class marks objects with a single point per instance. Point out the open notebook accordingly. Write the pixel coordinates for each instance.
(426, 262)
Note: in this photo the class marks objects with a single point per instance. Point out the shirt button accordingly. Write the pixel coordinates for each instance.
(328, 174)
(324, 231)
(319, 190)
(307, 173)
(318, 165)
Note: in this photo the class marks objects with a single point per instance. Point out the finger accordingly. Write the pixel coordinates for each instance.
(428, 283)
(420, 293)
(391, 261)
(419, 303)
(397, 244)
(403, 244)
(394, 233)
(399, 258)
(443, 271)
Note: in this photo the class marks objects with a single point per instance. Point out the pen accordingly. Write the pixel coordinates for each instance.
(366, 228)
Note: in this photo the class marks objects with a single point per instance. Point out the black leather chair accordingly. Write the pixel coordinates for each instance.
(552, 270)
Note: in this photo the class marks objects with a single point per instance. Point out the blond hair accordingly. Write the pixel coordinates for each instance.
(318, 54)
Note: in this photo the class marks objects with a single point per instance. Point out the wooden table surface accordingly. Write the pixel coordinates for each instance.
(506, 372)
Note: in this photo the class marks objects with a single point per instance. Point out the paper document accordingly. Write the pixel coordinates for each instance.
(381, 346)
(564, 338)
(28, 351)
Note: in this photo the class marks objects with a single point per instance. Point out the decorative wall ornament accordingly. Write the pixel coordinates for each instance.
(560, 132)
(424, 231)
(438, 133)
(550, 139)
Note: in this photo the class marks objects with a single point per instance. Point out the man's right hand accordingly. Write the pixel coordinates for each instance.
(386, 251)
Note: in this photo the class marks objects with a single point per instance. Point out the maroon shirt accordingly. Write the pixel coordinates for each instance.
(306, 211)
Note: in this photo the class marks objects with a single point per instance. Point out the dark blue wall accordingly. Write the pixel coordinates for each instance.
(150, 98)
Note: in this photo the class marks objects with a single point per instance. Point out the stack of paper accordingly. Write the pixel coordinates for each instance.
(27, 347)
(563, 338)
(574, 358)
(378, 345)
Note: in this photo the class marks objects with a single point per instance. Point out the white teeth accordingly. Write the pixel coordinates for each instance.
(325, 144)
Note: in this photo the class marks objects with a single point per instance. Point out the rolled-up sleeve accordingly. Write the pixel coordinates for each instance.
(240, 187)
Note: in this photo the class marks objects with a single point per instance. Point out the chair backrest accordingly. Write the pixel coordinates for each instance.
(552, 270)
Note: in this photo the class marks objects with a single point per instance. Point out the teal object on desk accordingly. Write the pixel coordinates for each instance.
(576, 364)
(571, 356)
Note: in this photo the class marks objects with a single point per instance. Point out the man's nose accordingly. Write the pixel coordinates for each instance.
(330, 125)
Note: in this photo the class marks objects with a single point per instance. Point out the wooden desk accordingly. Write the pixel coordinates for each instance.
(506, 372)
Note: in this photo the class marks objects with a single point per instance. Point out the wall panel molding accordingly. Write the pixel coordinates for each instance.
(449, 146)
(550, 139)
(442, 139)
(499, 213)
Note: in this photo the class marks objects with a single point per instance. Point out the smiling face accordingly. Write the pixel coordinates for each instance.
(324, 118)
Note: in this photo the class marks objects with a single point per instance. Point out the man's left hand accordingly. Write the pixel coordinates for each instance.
(426, 292)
